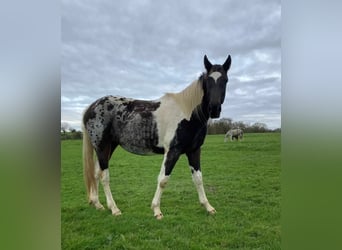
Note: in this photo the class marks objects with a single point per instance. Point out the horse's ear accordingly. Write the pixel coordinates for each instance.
(207, 64)
(227, 63)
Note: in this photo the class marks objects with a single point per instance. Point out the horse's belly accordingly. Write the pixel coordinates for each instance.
(137, 149)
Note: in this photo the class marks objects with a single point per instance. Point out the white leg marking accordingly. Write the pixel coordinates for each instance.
(110, 201)
(198, 181)
(162, 181)
(94, 193)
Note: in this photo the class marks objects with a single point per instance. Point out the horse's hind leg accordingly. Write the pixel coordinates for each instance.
(104, 156)
(94, 192)
(109, 198)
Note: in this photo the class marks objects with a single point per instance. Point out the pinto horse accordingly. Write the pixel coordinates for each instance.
(172, 125)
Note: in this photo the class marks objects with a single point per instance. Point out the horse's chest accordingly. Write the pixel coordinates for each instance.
(189, 136)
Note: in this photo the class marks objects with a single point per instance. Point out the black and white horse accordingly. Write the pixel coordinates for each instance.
(172, 125)
(234, 133)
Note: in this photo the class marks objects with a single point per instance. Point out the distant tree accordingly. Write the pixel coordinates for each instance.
(64, 127)
(219, 126)
(223, 125)
(75, 134)
(227, 121)
(239, 125)
(259, 127)
(277, 130)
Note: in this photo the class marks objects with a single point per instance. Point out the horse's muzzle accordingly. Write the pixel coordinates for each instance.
(215, 111)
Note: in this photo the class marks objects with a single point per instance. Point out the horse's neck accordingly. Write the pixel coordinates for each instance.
(190, 98)
(201, 114)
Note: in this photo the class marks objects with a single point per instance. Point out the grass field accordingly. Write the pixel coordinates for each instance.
(242, 181)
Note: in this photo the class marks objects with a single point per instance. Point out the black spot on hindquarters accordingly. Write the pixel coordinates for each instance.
(103, 100)
(89, 113)
(110, 107)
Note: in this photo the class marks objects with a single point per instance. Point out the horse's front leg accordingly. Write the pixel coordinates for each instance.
(194, 162)
(170, 159)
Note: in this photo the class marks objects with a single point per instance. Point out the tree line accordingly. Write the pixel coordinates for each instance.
(223, 125)
(69, 133)
(214, 127)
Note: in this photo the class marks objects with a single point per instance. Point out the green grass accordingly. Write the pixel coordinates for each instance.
(241, 179)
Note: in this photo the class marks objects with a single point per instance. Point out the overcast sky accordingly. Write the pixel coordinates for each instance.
(143, 49)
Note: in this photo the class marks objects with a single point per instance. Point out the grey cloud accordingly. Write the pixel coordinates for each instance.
(143, 49)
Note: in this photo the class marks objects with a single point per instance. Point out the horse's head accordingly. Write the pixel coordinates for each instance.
(214, 85)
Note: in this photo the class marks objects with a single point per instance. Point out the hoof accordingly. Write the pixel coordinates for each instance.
(159, 216)
(100, 207)
(116, 213)
(211, 212)
(97, 205)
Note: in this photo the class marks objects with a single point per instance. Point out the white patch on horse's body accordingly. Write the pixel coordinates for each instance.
(215, 75)
(167, 121)
(174, 108)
